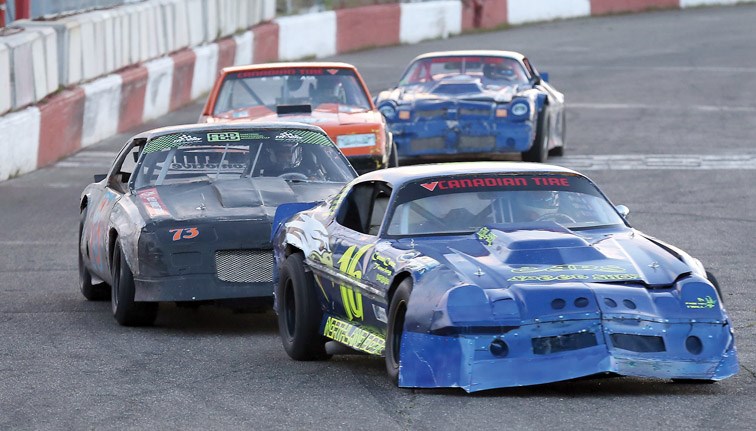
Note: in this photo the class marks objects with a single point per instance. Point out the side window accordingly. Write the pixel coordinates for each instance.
(364, 208)
(124, 166)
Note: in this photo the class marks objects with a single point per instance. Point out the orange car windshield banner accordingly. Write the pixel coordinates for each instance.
(289, 71)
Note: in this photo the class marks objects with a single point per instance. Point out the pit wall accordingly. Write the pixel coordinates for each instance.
(69, 83)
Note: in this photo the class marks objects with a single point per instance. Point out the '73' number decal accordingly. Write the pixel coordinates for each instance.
(185, 233)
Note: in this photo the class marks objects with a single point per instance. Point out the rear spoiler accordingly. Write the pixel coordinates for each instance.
(285, 212)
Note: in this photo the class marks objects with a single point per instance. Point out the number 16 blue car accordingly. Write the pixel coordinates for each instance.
(493, 274)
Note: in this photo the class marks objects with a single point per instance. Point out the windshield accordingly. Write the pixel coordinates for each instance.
(493, 72)
(292, 154)
(259, 92)
(464, 204)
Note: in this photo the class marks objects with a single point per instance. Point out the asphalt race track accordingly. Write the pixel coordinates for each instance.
(661, 113)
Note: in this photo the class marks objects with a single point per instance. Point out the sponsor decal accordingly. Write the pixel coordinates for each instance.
(332, 71)
(152, 202)
(353, 336)
(282, 72)
(186, 139)
(486, 60)
(430, 186)
(384, 267)
(508, 181)
(567, 277)
(700, 303)
(288, 136)
(564, 268)
(184, 233)
(223, 137)
(485, 235)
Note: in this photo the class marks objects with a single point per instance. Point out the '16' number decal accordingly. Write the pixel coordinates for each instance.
(185, 233)
(348, 265)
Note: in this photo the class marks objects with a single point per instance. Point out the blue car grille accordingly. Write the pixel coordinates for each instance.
(563, 343)
(475, 112)
(638, 343)
(430, 114)
(477, 142)
(427, 144)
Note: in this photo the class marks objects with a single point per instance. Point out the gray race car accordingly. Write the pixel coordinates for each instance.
(185, 213)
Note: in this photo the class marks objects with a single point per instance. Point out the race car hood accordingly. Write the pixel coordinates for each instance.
(451, 90)
(496, 257)
(245, 198)
(327, 116)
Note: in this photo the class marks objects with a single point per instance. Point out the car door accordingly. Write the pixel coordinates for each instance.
(101, 207)
(352, 238)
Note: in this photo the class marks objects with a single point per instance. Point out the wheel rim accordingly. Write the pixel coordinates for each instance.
(290, 310)
(396, 338)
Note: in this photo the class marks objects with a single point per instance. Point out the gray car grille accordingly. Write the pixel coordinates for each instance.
(244, 266)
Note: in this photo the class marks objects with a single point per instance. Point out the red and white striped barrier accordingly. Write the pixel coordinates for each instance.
(130, 80)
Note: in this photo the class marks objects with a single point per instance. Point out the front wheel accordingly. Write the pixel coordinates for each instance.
(397, 312)
(539, 151)
(299, 315)
(126, 311)
(92, 292)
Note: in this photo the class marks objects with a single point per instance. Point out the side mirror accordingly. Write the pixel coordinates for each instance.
(623, 210)
(99, 177)
(545, 76)
(125, 176)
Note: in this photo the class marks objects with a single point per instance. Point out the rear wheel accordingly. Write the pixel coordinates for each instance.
(92, 292)
(299, 314)
(397, 312)
(126, 311)
(539, 151)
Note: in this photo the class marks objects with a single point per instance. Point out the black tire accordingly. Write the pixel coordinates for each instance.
(397, 311)
(299, 314)
(539, 151)
(393, 160)
(559, 151)
(713, 280)
(92, 292)
(126, 311)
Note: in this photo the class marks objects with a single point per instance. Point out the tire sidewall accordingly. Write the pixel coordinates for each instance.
(303, 341)
(394, 331)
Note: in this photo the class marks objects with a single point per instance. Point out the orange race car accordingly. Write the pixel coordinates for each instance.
(332, 96)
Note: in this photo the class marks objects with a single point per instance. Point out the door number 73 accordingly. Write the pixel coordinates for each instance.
(184, 233)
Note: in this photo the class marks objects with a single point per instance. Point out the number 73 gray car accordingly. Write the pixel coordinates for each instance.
(185, 213)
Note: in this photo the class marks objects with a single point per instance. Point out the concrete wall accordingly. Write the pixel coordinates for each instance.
(121, 67)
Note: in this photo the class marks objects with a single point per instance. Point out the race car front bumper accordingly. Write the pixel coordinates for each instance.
(555, 351)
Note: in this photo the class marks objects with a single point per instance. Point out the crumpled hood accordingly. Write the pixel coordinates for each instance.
(497, 257)
(248, 198)
(444, 90)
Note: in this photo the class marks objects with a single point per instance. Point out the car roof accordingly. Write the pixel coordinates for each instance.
(481, 52)
(235, 126)
(406, 174)
(288, 65)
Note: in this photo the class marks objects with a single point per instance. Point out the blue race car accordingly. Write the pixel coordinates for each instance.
(472, 102)
(493, 274)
